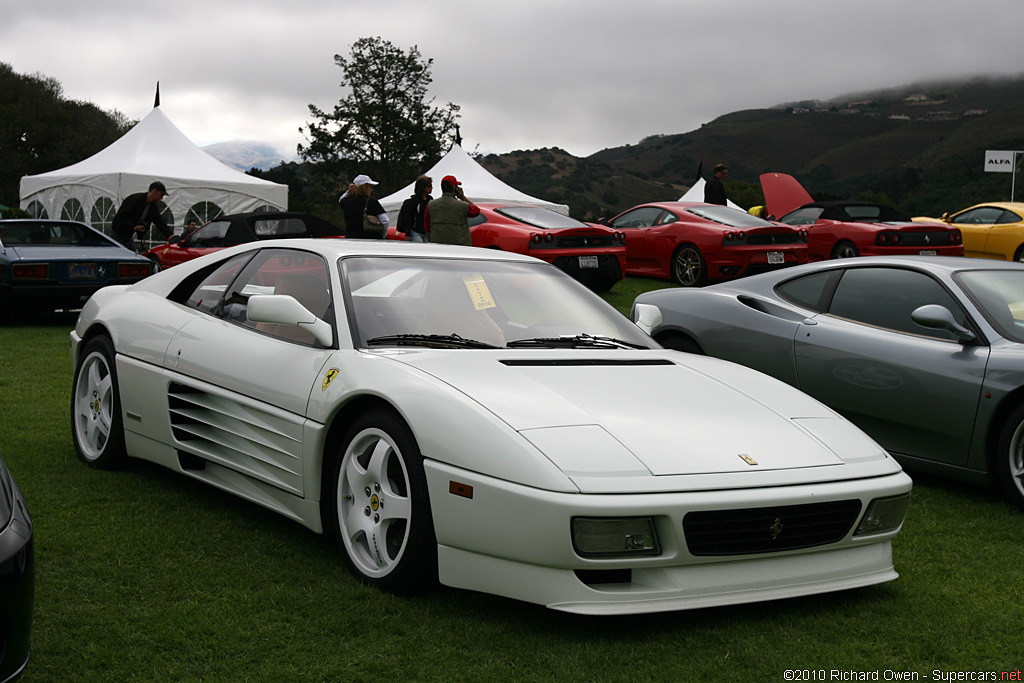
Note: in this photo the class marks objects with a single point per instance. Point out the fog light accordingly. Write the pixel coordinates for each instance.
(614, 537)
(883, 515)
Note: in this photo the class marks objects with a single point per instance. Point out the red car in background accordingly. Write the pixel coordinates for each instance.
(852, 228)
(592, 254)
(693, 243)
(240, 228)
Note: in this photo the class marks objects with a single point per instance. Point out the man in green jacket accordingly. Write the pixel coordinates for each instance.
(446, 219)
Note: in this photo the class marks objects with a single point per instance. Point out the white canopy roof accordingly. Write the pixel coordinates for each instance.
(696, 194)
(478, 184)
(153, 150)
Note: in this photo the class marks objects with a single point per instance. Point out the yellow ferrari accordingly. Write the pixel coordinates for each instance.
(994, 230)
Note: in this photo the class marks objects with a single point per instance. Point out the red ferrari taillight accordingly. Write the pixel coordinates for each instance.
(549, 238)
(131, 271)
(729, 237)
(535, 238)
(620, 237)
(882, 238)
(896, 238)
(31, 271)
(955, 237)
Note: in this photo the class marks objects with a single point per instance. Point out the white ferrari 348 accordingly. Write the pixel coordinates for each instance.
(481, 419)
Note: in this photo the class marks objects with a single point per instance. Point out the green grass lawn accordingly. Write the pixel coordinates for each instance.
(145, 575)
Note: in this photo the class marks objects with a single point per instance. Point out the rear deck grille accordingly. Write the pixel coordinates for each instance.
(770, 529)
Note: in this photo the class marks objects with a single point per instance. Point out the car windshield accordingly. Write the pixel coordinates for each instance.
(539, 217)
(469, 303)
(734, 218)
(1000, 296)
(29, 232)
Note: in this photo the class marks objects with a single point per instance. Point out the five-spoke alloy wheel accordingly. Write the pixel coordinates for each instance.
(96, 427)
(378, 506)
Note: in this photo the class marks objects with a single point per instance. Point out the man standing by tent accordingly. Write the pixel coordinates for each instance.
(714, 190)
(138, 211)
(446, 218)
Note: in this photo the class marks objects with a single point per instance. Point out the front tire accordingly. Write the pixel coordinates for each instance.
(1009, 457)
(377, 506)
(845, 250)
(688, 267)
(96, 427)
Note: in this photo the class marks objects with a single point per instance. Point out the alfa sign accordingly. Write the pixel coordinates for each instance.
(999, 162)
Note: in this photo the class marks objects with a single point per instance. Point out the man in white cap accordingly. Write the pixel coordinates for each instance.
(358, 203)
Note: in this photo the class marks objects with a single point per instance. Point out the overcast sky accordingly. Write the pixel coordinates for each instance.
(582, 75)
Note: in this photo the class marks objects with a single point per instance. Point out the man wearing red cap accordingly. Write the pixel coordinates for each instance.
(446, 219)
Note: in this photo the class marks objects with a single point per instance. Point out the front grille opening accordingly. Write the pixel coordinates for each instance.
(769, 529)
(601, 577)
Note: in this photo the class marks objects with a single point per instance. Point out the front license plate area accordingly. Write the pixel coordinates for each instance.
(776, 258)
(928, 252)
(82, 271)
(588, 262)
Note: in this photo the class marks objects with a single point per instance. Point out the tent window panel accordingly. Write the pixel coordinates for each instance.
(203, 212)
(102, 216)
(72, 211)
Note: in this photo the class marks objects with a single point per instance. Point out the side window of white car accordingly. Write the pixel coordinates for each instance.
(301, 275)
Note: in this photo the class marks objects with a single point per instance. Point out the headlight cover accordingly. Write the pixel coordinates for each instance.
(884, 515)
(612, 537)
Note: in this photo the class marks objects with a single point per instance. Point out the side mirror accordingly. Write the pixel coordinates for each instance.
(174, 239)
(602, 221)
(945, 217)
(647, 317)
(282, 309)
(937, 317)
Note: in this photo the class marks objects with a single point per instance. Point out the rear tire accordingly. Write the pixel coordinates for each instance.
(688, 267)
(1019, 255)
(845, 249)
(1009, 457)
(96, 427)
(376, 505)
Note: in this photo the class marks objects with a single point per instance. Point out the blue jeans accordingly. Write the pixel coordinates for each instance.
(417, 237)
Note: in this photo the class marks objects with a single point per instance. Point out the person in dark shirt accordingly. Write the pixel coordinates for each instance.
(714, 190)
(410, 218)
(139, 211)
(358, 202)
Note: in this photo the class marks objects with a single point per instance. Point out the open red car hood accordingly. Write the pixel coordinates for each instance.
(782, 194)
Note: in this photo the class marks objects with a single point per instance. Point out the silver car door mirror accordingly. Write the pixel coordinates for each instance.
(646, 317)
(283, 309)
(937, 317)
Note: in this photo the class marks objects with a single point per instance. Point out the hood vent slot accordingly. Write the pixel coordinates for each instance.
(571, 362)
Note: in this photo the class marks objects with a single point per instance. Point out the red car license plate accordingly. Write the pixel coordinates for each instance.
(588, 262)
(776, 258)
(82, 271)
(928, 252)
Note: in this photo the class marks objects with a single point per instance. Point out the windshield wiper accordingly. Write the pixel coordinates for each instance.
(575, 342)
(429, 340)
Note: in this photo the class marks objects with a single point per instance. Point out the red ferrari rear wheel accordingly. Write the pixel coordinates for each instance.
(688, 266)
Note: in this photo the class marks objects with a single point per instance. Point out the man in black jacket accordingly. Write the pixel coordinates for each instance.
(138, 211)
(714, 190)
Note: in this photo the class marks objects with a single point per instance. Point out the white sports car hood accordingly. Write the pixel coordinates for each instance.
(662, 413)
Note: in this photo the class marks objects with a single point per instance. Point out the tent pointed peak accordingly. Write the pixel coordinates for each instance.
(156, 101)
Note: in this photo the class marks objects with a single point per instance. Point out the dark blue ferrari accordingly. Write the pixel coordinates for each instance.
(46, 265)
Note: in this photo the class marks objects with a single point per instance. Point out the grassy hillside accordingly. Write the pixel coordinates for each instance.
(920, 147)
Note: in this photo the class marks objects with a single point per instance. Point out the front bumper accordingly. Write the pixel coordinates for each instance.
(516, 541)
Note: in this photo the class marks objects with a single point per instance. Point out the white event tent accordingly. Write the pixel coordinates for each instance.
(198, 185)
(696, 194)
(478, 184)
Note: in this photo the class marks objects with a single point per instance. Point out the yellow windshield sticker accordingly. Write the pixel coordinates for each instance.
(478, 292)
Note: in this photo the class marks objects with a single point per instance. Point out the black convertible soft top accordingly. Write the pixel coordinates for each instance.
(863, 212)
